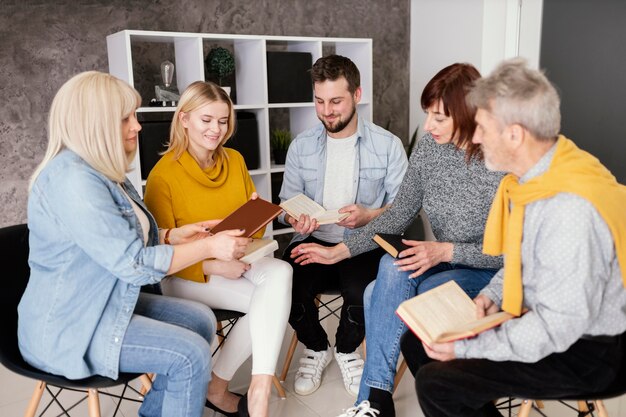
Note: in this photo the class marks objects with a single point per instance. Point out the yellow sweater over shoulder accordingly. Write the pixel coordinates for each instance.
(179, 192)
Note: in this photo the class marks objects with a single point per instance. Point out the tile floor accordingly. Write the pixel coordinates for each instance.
(328, 401)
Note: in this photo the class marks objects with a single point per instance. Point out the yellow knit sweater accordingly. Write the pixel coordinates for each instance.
(179, 192)
(572, 170)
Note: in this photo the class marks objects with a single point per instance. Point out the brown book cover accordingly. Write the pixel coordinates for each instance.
(252, 216)
(391, 243)
(445, 314)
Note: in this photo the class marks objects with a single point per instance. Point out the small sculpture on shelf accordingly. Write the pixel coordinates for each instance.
(220, 63)
(165, 93)
(279, 142)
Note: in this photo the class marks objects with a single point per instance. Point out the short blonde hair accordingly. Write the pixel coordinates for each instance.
(195, 96)
(86, 117)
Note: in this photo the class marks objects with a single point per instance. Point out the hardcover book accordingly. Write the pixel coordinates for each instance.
(259, 248)
(301, 204)
(391, 243)
(445, 314)
(251, 216)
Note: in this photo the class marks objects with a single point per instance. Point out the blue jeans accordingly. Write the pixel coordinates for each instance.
(383, 328)
(170, 337)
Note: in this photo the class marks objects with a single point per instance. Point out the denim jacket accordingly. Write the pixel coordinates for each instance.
(88, 262)
(380, 166)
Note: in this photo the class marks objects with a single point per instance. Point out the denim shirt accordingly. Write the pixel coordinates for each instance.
(378, 170)
(88, 262)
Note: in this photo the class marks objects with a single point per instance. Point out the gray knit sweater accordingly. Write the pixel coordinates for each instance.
(455, 195)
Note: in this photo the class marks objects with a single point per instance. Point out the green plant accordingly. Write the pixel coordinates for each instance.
(220, 63)
(281, 138)
(412, 141)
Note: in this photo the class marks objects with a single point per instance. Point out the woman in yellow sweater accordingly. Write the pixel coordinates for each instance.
(196, 179)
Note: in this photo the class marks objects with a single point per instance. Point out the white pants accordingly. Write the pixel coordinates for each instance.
(264, 294)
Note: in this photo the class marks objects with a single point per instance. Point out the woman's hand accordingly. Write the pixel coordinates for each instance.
(227, 269)
(254, 196)
(191, 232)
(440, 351)
(423, 255)
(309, 253)
(359, 216)
(227, 245)
(304, 225)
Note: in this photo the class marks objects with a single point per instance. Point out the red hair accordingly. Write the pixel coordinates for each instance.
(450, 85)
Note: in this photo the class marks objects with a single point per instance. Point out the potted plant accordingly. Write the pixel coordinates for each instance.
(220, 64)
(279, 142)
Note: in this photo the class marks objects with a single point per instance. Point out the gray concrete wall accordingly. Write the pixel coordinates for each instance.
(44, 43)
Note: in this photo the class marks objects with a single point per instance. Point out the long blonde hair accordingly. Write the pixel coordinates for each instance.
(86, 117)
(195, 96)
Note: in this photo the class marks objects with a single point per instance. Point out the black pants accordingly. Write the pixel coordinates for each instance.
(350, 277)
(467, 387)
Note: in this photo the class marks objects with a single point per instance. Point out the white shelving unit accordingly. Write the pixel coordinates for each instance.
(251, 81)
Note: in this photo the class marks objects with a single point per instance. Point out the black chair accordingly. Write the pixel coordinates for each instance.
(587, 404)
(14, 248)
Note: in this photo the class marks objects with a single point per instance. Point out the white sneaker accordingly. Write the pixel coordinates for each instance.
(364, 409)
(351, 366)
(309, 375)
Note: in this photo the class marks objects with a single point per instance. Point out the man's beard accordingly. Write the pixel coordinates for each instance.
(341, 124)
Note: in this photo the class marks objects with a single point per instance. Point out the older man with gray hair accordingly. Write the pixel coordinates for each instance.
(559, 219)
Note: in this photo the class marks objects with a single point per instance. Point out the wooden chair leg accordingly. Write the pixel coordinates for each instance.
(599, 404)
(399, 374)
(35, 399)
(582, 406)
(539, 403)
(279, 387)
(525, 407)
(289, 357)
(93, 402)
(146, 383)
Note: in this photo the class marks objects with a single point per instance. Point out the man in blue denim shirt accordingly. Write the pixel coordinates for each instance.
(351, 165)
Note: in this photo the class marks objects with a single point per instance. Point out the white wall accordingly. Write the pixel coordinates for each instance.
(481, 32)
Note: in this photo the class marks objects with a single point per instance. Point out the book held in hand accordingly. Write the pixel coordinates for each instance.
(259, 248)
(301, 204)
(391, 243)
(445, 314)
(252, 216)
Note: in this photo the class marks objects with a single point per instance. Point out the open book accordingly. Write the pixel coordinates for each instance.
(251, 216)
(301, 204)
(444, 314)
(391, 243)
(259, 248)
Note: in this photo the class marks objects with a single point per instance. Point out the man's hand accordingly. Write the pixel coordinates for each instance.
(227, 269)
(309, 253)
(305, 225)
(423, 255)
(440, 351)
(485, 306)
(359, 216)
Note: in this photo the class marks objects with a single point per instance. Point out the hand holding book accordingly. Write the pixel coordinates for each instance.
(445, 314)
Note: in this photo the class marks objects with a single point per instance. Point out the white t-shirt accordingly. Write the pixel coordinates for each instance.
(339, 182)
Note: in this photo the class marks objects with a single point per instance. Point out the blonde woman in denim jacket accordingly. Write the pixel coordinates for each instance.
(94, 245)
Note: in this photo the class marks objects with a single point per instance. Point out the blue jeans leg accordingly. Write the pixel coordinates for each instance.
(170, 337)
(383, 328)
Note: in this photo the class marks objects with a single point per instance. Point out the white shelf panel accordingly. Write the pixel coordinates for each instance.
(156, 109)
(289, 105)
(251, 82)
